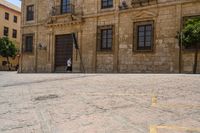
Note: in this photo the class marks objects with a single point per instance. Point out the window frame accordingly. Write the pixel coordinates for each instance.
(100, 38)
(15, 19)
(25, 50)
(14, 35)
(4, 29)
(30, 13)
(7, 16)
(136, 36)
(65, 8)
(107, 4)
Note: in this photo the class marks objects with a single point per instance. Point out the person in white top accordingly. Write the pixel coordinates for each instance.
(69, 65)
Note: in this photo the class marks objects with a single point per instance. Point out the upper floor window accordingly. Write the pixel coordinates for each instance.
(106, 4)
(105, 37)
(65, 6)
(5, 31)
(30, 13)
(144, 35)
(15, 19)
(6, 16)
(14, 35)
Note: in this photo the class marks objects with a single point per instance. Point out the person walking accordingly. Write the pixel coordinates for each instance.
(69, 65)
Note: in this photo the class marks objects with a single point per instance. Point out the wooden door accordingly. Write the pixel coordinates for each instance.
(63, 49)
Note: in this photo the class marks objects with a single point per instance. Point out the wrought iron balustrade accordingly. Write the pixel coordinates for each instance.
(136, 3)
(62, 9)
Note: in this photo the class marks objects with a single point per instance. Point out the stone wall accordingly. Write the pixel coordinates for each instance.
(164, 58)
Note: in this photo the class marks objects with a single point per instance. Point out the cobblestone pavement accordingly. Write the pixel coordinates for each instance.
(99, 103)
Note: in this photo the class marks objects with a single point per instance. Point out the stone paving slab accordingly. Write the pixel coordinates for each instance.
(99, 103)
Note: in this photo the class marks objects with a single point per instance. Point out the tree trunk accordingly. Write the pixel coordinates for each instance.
(8, 63)
(195, 59)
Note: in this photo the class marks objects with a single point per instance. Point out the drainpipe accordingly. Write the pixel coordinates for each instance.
(180, 53)
(36, 39)
(180, 45)
(22, 43)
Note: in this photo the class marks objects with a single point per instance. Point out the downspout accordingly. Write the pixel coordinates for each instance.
(180, 43)
(22, 40)
(117, 43)
(36, 40)
(95, 49)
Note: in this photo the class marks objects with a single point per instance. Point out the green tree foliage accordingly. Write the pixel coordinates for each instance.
(191, 32)
(191, 37)
(7, 49)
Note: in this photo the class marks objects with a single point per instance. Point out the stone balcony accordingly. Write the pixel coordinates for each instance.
(63, 15)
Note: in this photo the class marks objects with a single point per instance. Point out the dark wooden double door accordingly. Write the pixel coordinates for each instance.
(63, 49)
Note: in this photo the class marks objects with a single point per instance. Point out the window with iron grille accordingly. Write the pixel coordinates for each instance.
(15, 19)
(106, 4)
(105, 38)
(6, 16)
(30, 13)
(14, 35)
(144, 36)
(28, 43)
(5, 31)
(65, 6)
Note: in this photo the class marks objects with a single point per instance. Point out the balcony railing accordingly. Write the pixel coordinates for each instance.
(136, 3)
(62, 9)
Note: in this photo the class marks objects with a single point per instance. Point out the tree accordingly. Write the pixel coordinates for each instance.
(191, 37)
(7, 49)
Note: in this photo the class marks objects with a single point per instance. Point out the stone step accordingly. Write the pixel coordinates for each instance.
(61, 69)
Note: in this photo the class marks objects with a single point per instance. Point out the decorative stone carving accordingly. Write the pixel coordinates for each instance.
(144, 14)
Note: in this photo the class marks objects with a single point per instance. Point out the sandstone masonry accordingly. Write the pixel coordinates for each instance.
(86, 20)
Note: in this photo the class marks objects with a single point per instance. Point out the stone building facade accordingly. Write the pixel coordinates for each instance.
(125, 36)
(10, 25)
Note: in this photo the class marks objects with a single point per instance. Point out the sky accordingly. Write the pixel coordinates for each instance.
(15, 2)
